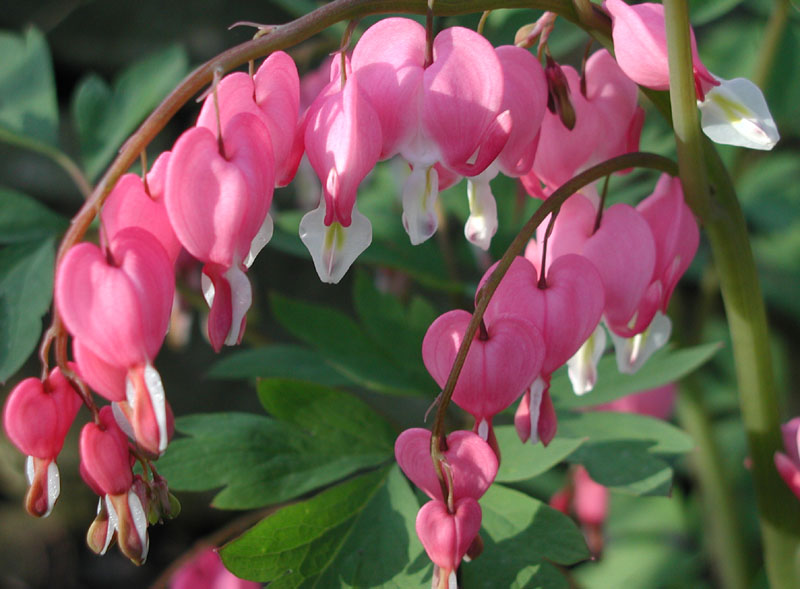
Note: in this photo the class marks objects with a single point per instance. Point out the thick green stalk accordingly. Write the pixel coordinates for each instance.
(779, 511)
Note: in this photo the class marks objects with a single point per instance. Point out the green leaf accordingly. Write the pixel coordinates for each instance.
(340, 418)
(258, 460)
(280, 360)
(23, 218)
(357, 534)
(28, 104)
(519, 533)
(106, 116)
(344, 345)
(624, 451)
(395, 330)
(524, 461)
(664, 367)
(660, 436)
(26, 289)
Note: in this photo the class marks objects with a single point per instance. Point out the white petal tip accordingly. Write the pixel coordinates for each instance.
(633, 352)
(736, 113)
(420, 192)
(582, 367)
(334, 248)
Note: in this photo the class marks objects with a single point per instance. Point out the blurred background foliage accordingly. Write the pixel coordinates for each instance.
(77, 77)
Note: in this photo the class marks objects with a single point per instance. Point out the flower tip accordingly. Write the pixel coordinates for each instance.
(736, 113)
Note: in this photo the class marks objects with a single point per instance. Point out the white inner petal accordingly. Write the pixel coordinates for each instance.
(582, 367)
(53, 486)
(113, 524)
(260, 240)
(119, 414)
(155, 389)
(420, 192)
(139, 521)
(537, 392)
(482, 222)
(241, 299)
(208, 289)
(634, 351)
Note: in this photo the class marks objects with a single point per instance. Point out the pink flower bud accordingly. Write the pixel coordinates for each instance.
(447, 536)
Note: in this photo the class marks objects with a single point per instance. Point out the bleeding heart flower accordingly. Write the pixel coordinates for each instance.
(499, 366)
(36, 417)
(343, 143)
(733, 112)
(217, 204)
(471, 462)
(447, 536)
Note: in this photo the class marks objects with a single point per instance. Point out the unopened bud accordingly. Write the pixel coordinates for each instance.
(558, 101)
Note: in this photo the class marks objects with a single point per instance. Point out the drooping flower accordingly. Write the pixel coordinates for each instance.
(117, 305)
(565, 309)
(106, 468)
(448, 112)
(502, 362)
(343, 143)
(733, 112)
(607, 123)
(36, 418)
(217, 204)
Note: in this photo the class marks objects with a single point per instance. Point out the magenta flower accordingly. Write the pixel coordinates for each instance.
(36, 417)
(206, 571)
(500, 365)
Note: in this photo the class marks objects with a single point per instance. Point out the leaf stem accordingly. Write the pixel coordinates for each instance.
(56, 155)
(779, 510)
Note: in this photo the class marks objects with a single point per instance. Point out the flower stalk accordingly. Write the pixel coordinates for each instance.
(700, 168)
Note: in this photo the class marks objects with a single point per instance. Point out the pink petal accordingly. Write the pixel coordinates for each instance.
(105, 463)
(149, 412)
(472, 462)
(388, 60)
(129, 205)
(445, 536)
(45, 486)
(675, 231)
(591, 499)
(496, 371)
(791, 439)
(463, 92)
(343, 143)
(30, 418)
(525, 97)
(789, 472)
(105, 379)
(121, 311)
(277, 94)
(658, 402)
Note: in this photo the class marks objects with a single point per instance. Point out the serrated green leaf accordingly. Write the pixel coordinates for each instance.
(519, 533)
(26, 289)
(105, 117)
(339, 418)
(23, 218)
(28, 104)
(344, 345)
(524, 461)
(259, 461)
(278, 361)
(357, 534)
(664, 367)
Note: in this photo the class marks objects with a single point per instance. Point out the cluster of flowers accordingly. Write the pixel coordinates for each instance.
(456, 107)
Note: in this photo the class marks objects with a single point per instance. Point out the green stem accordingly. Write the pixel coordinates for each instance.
(553, 203)
(779, 511)
(55, 154)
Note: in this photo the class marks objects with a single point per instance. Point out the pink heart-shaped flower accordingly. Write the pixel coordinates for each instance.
(497, 369)
(472, 463)
(447, 536)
